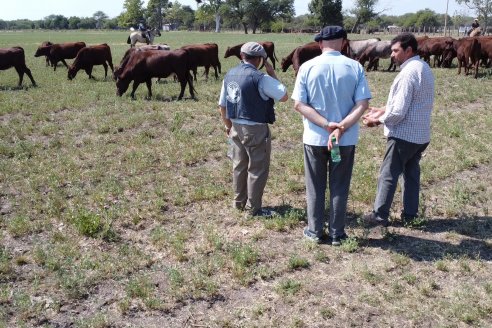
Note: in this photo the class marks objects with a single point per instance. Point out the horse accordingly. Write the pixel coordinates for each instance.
(135, 37)
(475, 32)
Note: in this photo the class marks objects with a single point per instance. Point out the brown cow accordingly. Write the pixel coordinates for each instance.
(142, 66)
(203, 55)
(304, 53)
(308, 54)
(468, 52)
(62, 51)
(433, 47)
(14, 57)
(486, 50)
(44, 50)
(287, 61)
(119, 69)
(88, 57)
(269, 49)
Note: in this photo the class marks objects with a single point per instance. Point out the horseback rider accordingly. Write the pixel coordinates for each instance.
(144, 32)
(475, 25)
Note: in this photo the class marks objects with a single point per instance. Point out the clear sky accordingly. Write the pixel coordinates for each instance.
(38, 9)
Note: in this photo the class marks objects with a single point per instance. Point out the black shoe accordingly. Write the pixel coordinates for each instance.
(337, 240)
(265, 212)
(406, 219)
(374, 220)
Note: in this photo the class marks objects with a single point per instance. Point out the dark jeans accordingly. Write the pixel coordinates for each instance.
(317, 164)
(401, 158)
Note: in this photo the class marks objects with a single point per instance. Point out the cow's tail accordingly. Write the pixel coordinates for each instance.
(129, 41)
(275, 56)
(220, 67)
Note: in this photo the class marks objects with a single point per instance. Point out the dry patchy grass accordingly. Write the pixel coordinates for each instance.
(117, 212)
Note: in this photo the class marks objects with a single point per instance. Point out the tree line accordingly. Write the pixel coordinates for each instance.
(254, 15)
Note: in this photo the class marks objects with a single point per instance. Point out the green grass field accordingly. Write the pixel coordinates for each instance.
(117, 212)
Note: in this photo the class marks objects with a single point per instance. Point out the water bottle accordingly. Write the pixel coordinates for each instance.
(229, 147)
(335, 151)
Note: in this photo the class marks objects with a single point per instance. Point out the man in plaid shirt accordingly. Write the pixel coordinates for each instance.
(406, 118)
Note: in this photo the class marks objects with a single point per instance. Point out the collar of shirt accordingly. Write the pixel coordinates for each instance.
(331, 53)
(246, 63)
(402, 66)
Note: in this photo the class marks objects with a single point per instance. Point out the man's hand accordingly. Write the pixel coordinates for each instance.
(332, 126)
(372, 117)
(337, 133)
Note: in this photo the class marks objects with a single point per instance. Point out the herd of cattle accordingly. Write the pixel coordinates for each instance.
(143, 63)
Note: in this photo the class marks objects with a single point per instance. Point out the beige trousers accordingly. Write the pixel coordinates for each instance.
(252, 147)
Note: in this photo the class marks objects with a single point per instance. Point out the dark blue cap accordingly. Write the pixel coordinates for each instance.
(331, 33)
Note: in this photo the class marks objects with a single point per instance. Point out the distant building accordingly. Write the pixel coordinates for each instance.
(394, 29)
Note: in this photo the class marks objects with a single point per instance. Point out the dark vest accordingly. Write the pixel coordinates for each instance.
(243, 98)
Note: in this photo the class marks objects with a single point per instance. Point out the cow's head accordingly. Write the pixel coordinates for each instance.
(72, 72)
(116, 73)
(122, 86)
(228, 52)
(283, 64)
(42, 51)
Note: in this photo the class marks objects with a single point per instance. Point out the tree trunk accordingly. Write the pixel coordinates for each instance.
(217, 23)
(355, 25)
(245, 26)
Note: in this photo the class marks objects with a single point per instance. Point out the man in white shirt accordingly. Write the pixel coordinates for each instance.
(406, 118)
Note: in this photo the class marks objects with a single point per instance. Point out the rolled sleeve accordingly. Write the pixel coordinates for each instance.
(222, 98)
(271, 88)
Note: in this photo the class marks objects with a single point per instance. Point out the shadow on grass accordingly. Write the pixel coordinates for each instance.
(420, 249)
(16, 88)
(475, 227)
(478, 229)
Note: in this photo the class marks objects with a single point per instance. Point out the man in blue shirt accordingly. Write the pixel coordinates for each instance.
(331, 93)
(246, 106)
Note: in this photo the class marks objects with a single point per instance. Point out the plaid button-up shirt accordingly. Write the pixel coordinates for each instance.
(410, 103)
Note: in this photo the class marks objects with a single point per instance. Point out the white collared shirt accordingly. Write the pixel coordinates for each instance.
(410, 103)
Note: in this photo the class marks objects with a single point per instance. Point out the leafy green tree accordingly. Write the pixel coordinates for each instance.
(87, 23)
(111, 24)
(133, 14)
(263, 12)
(179, 15)
(235, 11)
(257, 13)
(155, 12)
(327, 12)
(73, 22)
(215, 6)
(363, 11)
(426, 18)
(56, 22)
(482, 8)
(204, 16)
(100, 17)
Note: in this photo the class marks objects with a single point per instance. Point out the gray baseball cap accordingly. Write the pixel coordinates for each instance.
(254, 49)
